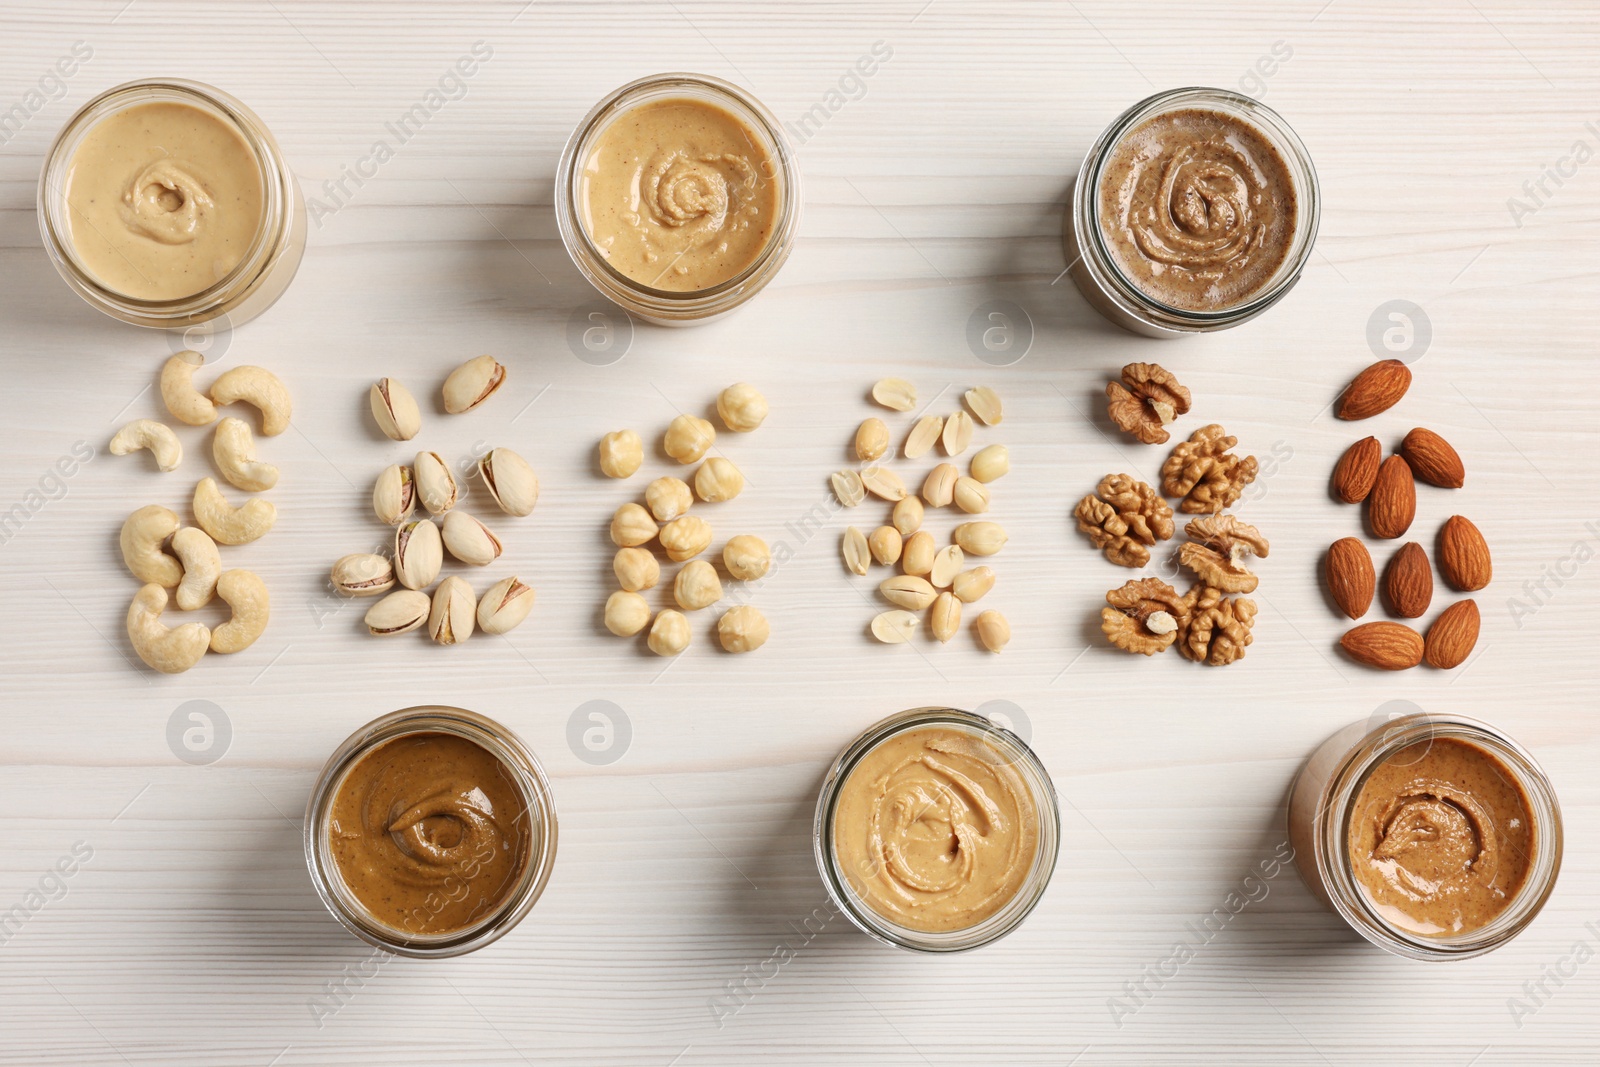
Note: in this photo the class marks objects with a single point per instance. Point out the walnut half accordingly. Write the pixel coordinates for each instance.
(1205, 473)
(1145, 616)
(1216, 628)
(1124, 516)
(1145, 401)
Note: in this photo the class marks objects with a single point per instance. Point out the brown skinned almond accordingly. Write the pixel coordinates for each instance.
(1408, 582)
(1464, 555)
(1350, 577)
(1356, 470)
(1388, 646)
(1433, 459)
(1392, 504)
(1376, 389)
(1453, 634)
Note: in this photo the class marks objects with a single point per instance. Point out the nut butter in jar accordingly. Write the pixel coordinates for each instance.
(1194, 211)
(1434, 837)
(430, 832)
(678, 197)
(168, 203)
(936, 830)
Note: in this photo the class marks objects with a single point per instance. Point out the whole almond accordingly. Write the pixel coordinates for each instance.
(1351, 579)
(1408, 581)
(1376, 389)
(1452, 635)
(1433, 459)
(1464, 555)
(1392, 503)
(1388, 646)
(1356, 470)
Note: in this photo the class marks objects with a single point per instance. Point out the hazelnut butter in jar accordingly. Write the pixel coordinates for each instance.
(678, 197)
(168, 203)
(1196, 210)
(936, 830)
(430, 832)
(1434, 837)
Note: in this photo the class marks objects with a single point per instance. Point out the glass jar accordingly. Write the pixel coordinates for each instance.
(538, 801)
(661, 306)
(268, 265)
(1014, 752)
(1322, 800)
(1093, 267)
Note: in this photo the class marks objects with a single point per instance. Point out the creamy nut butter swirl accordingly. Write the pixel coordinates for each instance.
(430, 832)
(934, 830)
(1198, 209)
(164, 200)
(679, 195)
(1441, 837)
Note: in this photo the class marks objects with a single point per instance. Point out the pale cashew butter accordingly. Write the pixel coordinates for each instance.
(164, 200)
(679, 195)
(935, 830)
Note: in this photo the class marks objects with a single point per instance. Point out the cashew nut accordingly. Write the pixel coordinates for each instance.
(201, 565)
(142, 536)
(147, 433)
(247, 596)
(170, 651)
(234, 449)
(227, 524)
(261, 388)
(187, 404)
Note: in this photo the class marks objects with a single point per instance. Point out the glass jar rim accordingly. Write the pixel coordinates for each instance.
(538, 800)
(1015, 911)
(646, 299)
(1331, 830)
(1274, 128)
(273, 229)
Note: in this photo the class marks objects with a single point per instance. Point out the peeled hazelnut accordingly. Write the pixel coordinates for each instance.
(718, 480)
(669, 634)
(696, 586)
(668, 498)
(743, 629)
(685, 537)
(632, 525)
(741, 407)
(635, 569)
(626, 613)
(746, 557)
(621, 452)
(688, 438)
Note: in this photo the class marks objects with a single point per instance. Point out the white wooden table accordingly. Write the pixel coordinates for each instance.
(192, 934)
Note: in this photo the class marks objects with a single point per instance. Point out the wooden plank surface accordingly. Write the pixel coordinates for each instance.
(192, 935)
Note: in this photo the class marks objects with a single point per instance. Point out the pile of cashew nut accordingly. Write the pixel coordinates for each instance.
(182, 563)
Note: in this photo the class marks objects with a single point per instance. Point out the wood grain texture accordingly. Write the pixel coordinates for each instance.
(193, 936)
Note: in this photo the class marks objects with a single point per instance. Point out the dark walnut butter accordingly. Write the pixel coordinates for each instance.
(1198, 209)
(430, 833)
(1441, 837)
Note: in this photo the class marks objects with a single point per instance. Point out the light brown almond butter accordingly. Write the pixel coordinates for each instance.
(1464, 555)
(1350, 577)
(1408, 582)
(1388, 646)
(1374, 390)
(1392, 504)
(1433, 459)
(1356, 470)
(1452, 636)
